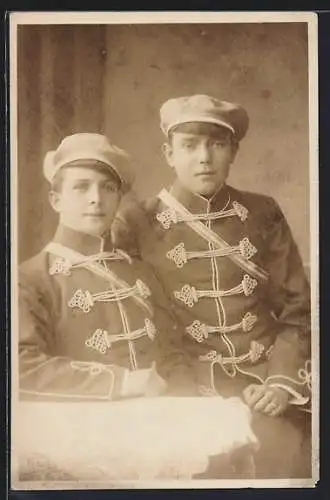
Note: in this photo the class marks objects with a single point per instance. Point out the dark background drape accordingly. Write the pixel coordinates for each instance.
(113, 78)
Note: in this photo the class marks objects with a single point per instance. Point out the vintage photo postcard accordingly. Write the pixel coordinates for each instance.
(164, 250)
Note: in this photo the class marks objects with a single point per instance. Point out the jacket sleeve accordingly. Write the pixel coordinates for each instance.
(173, 361)
(43, 375)
(128, 226)
(288, 296)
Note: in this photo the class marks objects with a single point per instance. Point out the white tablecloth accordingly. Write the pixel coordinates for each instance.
(144, 439)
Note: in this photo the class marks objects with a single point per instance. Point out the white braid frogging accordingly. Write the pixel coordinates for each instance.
(85, 300)
(119, 290)
(101, 340)
(190, 296)
(181, 256)
(171, 216)
(200, 331)
(64, 266)
(97, 267)
(205, 232)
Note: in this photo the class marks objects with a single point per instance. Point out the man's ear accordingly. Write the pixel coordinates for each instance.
(54, 200)
(168, 153)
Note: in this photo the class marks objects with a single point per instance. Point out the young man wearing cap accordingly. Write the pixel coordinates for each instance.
(228, 260)
(90, 327)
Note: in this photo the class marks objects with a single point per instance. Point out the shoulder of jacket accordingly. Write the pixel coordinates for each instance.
(138, 212)
(34, 263)
(34, 270)
(152, 204)
(254, 200)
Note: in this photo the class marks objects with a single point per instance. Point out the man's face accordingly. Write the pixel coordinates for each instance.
(87, 201)
(201, 157)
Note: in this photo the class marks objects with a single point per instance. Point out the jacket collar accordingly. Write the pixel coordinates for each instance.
(82, 242)
(196, 203)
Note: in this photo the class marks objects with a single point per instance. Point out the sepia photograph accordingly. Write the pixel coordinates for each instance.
(164, 250)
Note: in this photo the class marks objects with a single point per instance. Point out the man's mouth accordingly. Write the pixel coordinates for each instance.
(95, 215)
(205, 174)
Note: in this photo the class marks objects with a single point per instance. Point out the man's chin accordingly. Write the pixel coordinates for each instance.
(208, 192)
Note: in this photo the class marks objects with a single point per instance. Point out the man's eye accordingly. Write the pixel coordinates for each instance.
(187, 145)
(80, 187)
(219, 144)
(111, 188)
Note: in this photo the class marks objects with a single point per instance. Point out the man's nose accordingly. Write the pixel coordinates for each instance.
(204, 154)
(94, 195)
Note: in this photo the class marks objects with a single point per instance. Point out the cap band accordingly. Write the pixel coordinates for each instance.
(197, 118)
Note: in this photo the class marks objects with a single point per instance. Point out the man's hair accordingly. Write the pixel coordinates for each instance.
(57, 182)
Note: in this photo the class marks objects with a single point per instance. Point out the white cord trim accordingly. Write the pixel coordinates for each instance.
(221, 312)
(93, 368)
(85, 300)
(255, 353)
(128, 334)
(103, 272)
(170, 216)
(304, 379)
(181, 256)
(101, 340)
(190, 296)
(39, 366)
(200, 331)
(209, 235)
(304, 376)
(62, 266)
(298, 399)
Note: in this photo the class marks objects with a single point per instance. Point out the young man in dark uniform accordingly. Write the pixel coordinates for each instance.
(93, 320)
(232, 269)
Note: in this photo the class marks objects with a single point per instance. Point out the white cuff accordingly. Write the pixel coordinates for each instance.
(134, 382)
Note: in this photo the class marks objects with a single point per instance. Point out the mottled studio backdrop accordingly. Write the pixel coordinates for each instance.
(113, 79)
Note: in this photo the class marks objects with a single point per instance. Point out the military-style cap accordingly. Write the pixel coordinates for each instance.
(205, 109)
(87, 147)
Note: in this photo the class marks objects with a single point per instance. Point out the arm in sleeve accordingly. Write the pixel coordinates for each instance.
(45, 375)
(125, 229)
(173, 361)
(288, 294)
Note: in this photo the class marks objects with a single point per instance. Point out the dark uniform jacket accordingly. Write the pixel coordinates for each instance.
(252, 325)
(85, 316)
